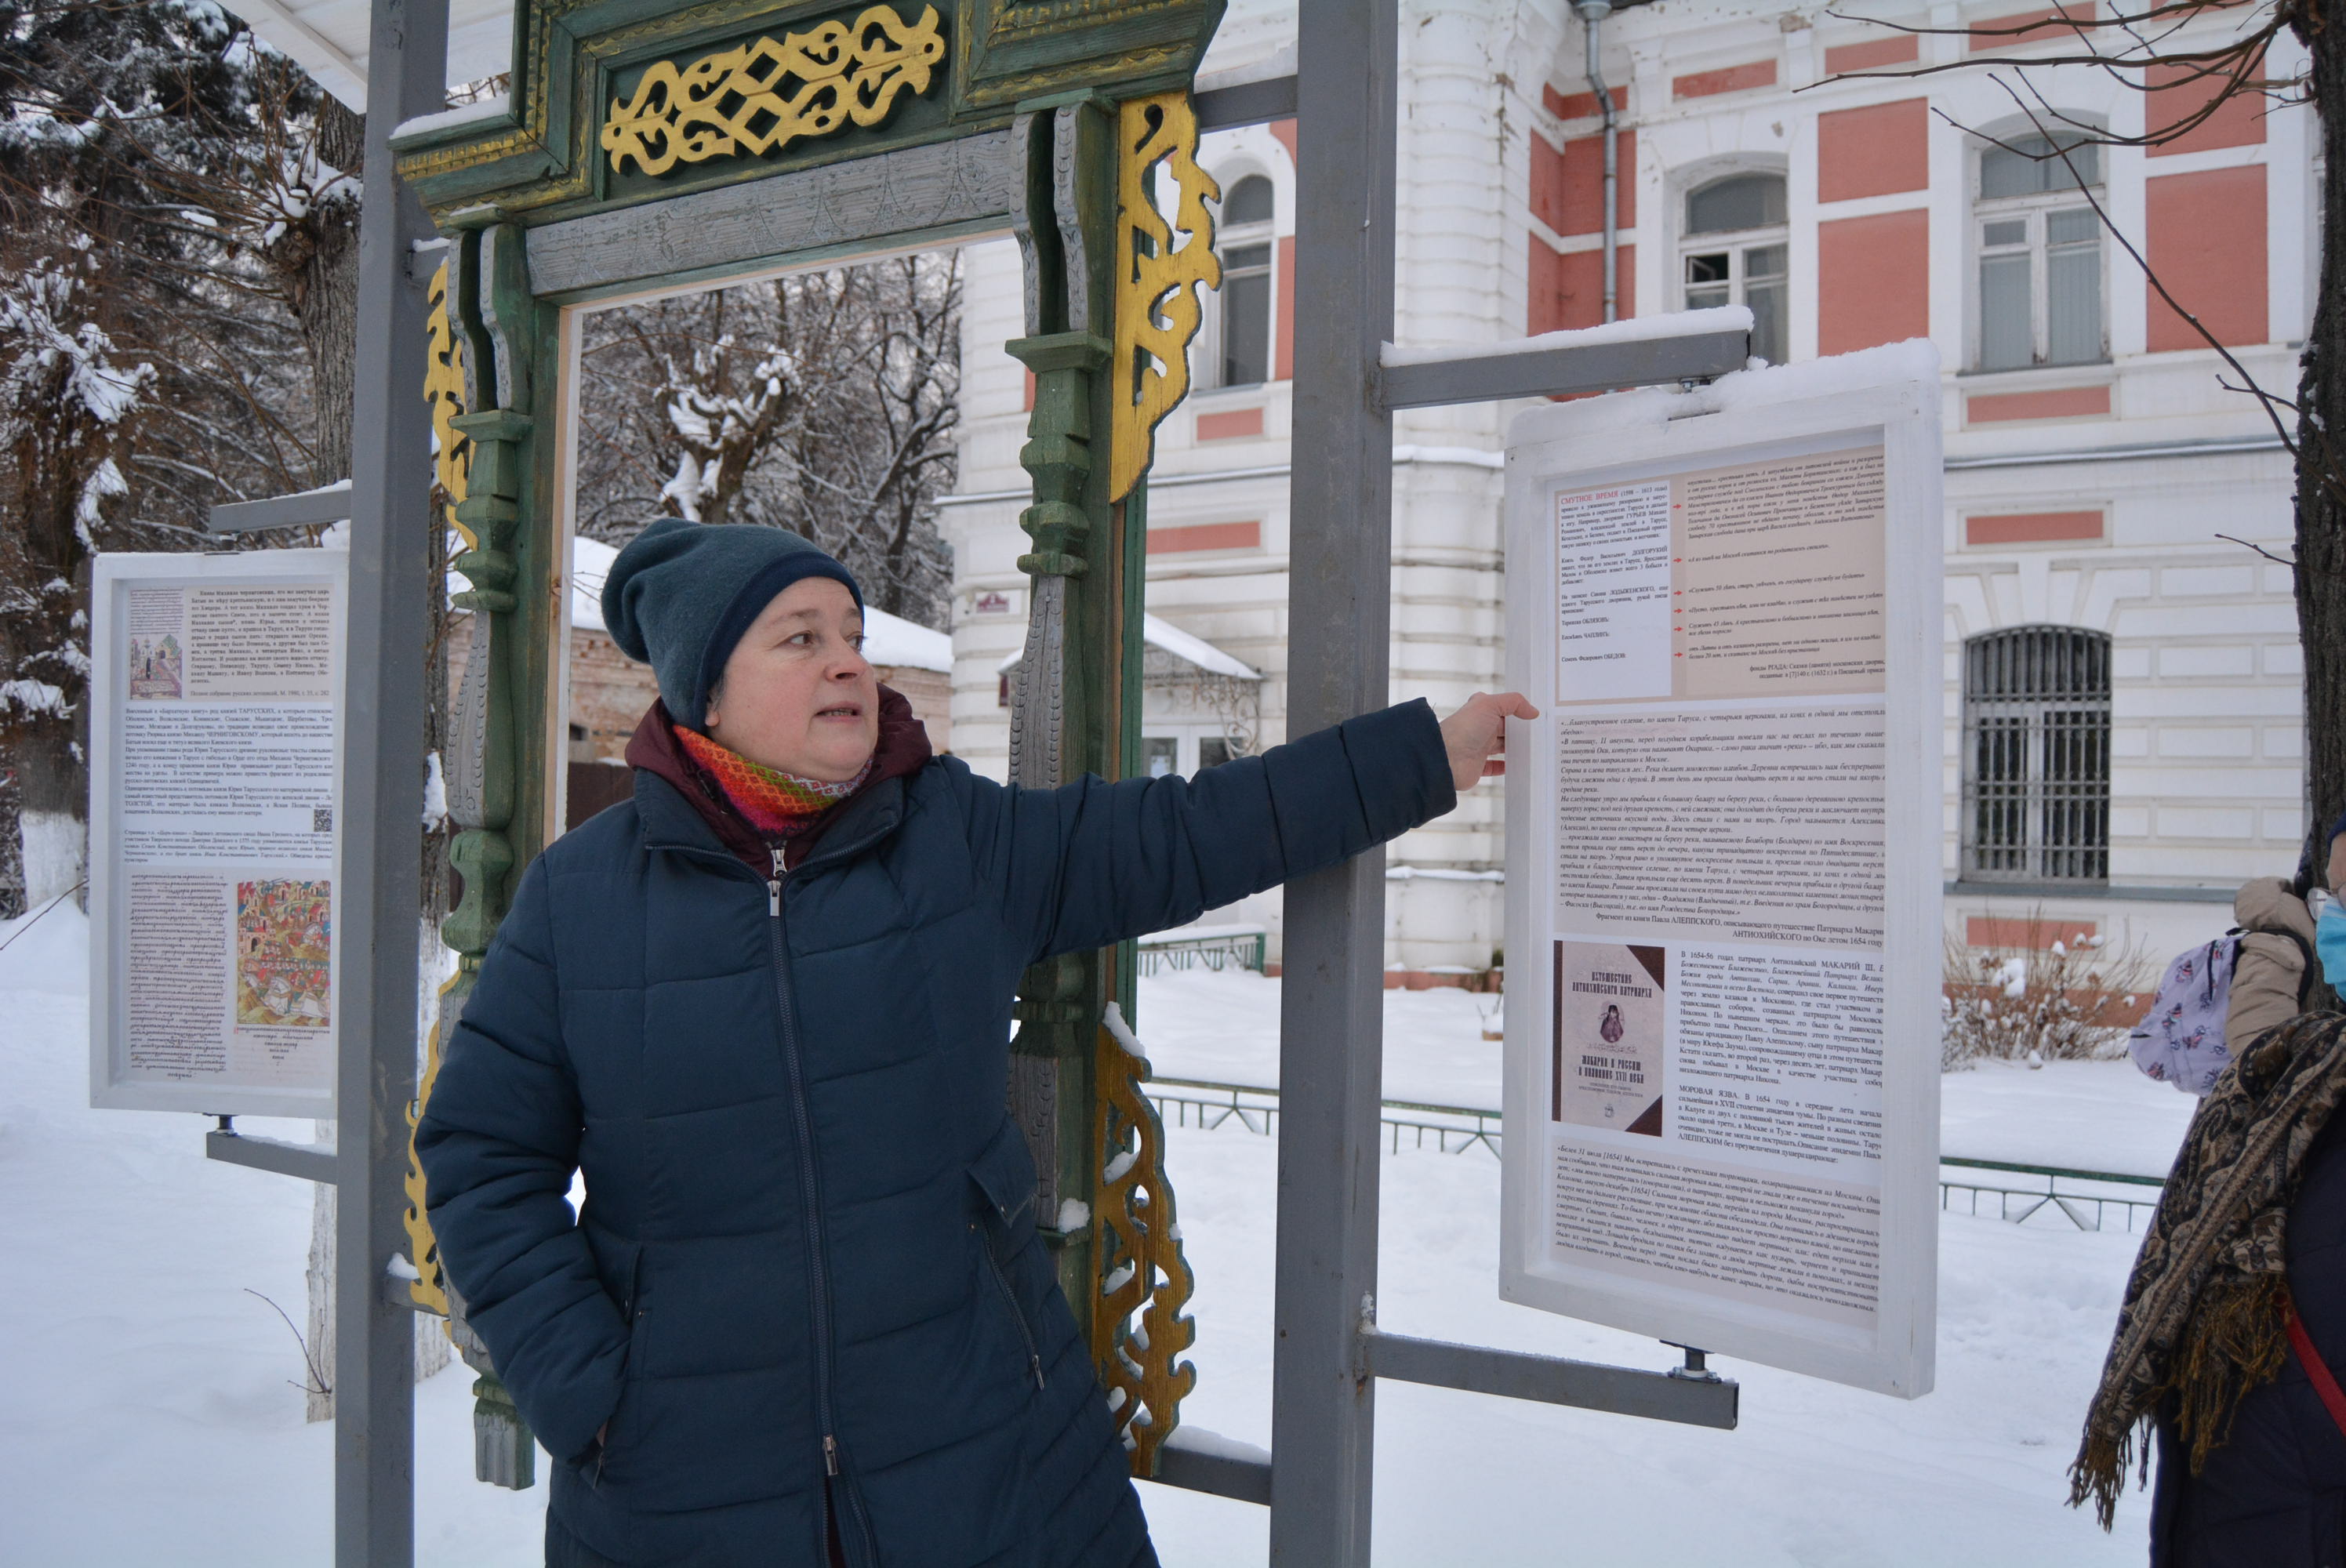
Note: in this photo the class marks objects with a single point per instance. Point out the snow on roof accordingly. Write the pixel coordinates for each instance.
(894, 642)
(889, 641)
(494, 107)
(329, 39)
(1196, 650)
(1164, 635)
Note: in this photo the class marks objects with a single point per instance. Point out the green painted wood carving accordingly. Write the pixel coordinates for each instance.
(861, 127)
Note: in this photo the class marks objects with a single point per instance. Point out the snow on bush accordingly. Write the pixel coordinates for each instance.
(2053, 996)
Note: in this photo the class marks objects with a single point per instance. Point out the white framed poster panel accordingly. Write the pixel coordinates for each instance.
(216, 751)
(1723, 866)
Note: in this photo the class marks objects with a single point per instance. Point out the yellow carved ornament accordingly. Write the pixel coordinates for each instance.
(766, 95)
(1136, 1240)
(422, 1247)
(452, 468)
(1156, 307)
(443, 390)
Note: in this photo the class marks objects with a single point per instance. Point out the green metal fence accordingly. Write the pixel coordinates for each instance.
(1455, 1129)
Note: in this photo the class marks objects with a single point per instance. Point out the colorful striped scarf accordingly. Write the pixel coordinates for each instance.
(2206, 1315)
(778, 805)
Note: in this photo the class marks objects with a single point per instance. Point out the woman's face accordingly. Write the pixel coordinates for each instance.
(2338, 864)
(796, 695)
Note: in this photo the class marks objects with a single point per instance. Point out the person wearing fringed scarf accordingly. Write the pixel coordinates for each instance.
(2232, 1333)
(809, 1312)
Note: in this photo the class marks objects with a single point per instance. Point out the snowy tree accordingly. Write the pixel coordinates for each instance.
(143, 376)
(178, 226)
(824, 402)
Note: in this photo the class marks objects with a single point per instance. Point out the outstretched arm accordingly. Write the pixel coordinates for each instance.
(1093, 864)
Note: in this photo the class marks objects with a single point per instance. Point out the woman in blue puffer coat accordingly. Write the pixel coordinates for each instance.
(764, 1006)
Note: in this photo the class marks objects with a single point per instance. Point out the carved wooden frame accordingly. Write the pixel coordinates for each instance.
(1019, 135)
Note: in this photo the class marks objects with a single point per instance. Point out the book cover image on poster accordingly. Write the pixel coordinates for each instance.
(155, 669)
(285, 948)
(1610, 1011)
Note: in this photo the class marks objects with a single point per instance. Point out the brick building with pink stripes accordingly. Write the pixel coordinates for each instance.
(2123, 731)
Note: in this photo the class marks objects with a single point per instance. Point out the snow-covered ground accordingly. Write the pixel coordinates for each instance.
(2082, 1116)
(151, 1417)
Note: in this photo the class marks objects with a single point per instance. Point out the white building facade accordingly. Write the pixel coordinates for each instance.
(2123, 710)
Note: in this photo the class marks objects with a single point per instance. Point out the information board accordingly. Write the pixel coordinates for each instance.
(215, 766)
(1723, 865)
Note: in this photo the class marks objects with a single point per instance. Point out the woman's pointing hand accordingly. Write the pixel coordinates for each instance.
(1477, 736)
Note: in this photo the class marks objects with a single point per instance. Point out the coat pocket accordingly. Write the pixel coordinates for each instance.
(1002, 1222)
(1004, 1174)
(625, 1286)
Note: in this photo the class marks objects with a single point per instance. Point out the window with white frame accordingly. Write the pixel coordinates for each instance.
(1187, 749)
(1242, 236)
(2040, 256)
(1731, 251)
(2036, 756)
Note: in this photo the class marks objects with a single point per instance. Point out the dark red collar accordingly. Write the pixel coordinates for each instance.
(903, 751)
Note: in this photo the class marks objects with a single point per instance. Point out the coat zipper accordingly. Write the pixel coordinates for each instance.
(819, 1283)
(1010, 1299)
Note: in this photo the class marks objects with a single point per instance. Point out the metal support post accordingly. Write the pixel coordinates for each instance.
(308, 1161)
(309, 509)
(1332, 1048)
(1527, 368)
(1247, 104)
(1688, 1394)
(383, 808)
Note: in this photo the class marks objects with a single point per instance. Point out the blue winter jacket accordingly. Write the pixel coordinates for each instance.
(806, 1276)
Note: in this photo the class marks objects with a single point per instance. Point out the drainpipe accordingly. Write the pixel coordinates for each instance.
(1592, 18)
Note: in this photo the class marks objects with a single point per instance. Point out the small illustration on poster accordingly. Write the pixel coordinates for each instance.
(155, 669)
(1610, 1007)
(284, 944)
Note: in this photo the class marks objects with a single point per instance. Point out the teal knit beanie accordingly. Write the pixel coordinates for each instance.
(681, 595)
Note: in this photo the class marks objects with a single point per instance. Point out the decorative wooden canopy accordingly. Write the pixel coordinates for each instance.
(838, 82)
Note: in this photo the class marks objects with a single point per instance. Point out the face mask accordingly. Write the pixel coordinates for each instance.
(2329, 942)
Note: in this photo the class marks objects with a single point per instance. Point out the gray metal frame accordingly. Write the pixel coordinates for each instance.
(391, 534)
(1332, 1005)
(310, 508)
(1532, 371)
(310, 1161)
(1329, 1352)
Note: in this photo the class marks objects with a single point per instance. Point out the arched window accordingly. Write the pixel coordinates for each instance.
(2040, 256)
(1732, 253)
(2036, 756)
(1243, 237)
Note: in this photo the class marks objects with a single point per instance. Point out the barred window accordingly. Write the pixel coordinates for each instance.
(2036, 756)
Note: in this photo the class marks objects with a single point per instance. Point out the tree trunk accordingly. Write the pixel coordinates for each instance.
(12, 853)
(319, 1276)
(324, 293)
(2322, 467)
